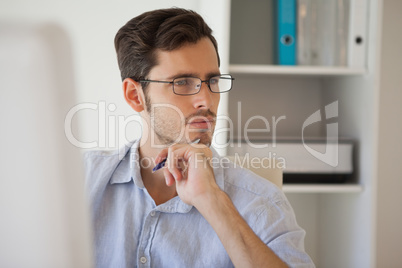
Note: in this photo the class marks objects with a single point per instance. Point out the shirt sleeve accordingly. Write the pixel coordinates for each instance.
(277, 227)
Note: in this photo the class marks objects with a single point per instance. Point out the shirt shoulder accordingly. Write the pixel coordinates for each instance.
(268, 212)
(252, 195)
(100, 166)
(238, 178)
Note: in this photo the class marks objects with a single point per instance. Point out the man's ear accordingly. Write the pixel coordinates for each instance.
(133, 94)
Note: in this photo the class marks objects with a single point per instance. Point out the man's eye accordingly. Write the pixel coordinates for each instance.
(214, 81)
(180, 82)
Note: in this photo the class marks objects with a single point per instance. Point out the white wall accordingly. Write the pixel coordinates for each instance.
(389, 220)
(91, 27)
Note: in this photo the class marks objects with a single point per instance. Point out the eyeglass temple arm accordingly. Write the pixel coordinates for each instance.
(157, 81)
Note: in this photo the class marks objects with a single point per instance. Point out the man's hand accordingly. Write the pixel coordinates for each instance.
(188, 167)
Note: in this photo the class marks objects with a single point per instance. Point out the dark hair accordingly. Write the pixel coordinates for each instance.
(164, 29)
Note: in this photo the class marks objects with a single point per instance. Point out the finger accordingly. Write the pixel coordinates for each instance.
(164, 152)
(184, 151)
(182, 166)
(184, 169)
(168, 177)
(161, 155)
(172, 165)
(203, 148)
(178, 156)
(183, 155)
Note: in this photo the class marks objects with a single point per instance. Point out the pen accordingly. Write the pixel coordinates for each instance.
(162, 163)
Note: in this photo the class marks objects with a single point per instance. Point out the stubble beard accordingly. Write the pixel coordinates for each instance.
(169, 131)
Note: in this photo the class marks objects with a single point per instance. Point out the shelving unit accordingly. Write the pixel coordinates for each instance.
(294, 70)
(322, 188)
(339, 219)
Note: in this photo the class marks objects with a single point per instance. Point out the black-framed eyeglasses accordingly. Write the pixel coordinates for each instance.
(192, 85)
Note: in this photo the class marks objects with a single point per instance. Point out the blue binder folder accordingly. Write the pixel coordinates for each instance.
(286, 32)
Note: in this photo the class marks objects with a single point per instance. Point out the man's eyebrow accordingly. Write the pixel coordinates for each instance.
(209, 75)
(212, 74)
(182, 75)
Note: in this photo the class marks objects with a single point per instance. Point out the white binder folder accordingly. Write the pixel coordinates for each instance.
(358, 33)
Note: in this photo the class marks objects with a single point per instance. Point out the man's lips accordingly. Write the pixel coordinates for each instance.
(202, 123)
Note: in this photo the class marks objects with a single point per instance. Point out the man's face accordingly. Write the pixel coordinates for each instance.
(181, 119)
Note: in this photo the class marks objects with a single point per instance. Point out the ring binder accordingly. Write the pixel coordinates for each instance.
(286, 32)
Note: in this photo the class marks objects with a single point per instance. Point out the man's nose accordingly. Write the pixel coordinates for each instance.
(203, 99)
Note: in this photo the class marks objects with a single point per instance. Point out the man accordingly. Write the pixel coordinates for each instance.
(188, 214)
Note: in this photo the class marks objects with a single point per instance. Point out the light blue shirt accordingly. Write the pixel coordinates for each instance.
(131, 231)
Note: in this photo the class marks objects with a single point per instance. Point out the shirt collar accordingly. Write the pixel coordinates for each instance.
(128, 158)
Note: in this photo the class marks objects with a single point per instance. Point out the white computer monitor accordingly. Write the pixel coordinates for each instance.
(44, 218)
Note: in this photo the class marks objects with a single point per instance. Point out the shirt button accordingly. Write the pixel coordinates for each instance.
(143, 260)
(153, 213)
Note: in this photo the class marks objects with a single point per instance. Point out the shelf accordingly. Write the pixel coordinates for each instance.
(295, 70)
(322, 188)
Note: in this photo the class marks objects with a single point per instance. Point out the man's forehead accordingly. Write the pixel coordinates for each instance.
(198, 60)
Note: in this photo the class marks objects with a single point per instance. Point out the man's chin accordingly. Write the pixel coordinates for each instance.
(204, 137)
(204, 130)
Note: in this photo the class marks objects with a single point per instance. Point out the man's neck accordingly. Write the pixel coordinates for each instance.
(154, 182)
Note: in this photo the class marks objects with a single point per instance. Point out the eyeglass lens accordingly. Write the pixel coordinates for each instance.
(191, 85)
